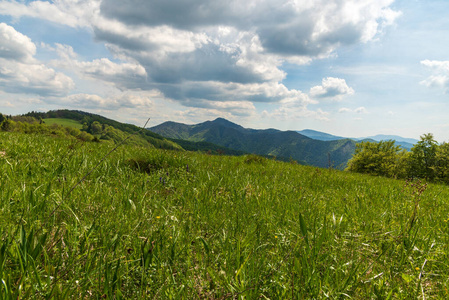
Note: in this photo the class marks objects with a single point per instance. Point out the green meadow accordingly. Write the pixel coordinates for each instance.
(159, 224)
(63, 122)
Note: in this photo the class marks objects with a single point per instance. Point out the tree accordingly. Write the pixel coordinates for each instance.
(380, 158)
(1, 118)
(96, 128)
(442, 163)
(8, 125)
(423, 158)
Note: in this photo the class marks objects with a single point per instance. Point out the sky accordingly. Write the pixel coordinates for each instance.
(351, 68)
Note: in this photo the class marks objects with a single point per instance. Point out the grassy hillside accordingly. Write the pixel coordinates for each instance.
(108, 129)
(157, 224)
(63, 122)
(286, 144)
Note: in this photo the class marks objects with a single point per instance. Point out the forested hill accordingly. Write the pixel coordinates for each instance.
(289, 144)
(107, 129)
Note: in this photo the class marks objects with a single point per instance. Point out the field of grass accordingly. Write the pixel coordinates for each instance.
(155, 224)
(63, 122)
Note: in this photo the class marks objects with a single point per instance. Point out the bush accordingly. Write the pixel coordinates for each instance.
(377, 159)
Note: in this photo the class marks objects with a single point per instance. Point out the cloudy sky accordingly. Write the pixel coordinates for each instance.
(346, 67)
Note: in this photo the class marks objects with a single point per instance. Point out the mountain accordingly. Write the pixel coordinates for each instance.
(286, 144)
(117, 132)
(383, 137)
(405, 143)
(321, 136)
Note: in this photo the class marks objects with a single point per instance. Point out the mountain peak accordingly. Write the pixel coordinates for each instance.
(226, 123)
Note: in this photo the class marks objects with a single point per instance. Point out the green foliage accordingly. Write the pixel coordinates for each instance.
(423, 157)
(427, 160)
(95, 128)
(32, 126)
(381, 159)
(63, 122)
(161, 224)
(441, 167)
(96, 125)
(8, 125)
(375, 158)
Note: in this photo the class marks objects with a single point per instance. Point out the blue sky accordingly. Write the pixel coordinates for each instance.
(349, 67)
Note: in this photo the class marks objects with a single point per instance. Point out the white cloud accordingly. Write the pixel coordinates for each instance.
(72, 13)
(122, 75)
(290, 28)
(20, 72)
(232, 110)
(115, 102)
(436, 64)
(360, 110)
(286, 114)
(440, 76)
(344, 110)
(197, 51)
(14, 45)
(333, 88)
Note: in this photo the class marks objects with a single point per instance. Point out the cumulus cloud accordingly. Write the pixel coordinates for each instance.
(20, 72)
(198, 51)
(358, 110)
(440, 76)
(284, 113)
(436, 64)
(92, 101)
(293, 28)
(14, 45)
(124, 75)
(73, 13)
(334, 88)
(230, 108)
(344, 110)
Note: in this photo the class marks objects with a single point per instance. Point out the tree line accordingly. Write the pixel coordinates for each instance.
(427, 159)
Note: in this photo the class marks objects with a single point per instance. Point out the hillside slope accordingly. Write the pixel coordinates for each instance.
(144, 223)
(110, 129)
(289, 144)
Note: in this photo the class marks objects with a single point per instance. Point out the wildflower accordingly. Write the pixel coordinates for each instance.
(417, 268)
(275, 236)
(158, 217)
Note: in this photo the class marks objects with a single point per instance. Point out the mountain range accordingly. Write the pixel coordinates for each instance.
(220, 136)
(406, 143)
(272, 142)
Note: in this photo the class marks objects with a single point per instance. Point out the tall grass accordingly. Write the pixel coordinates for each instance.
(159, 224)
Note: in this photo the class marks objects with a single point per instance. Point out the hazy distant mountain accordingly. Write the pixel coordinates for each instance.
(383, 137)
(321, 136)
(405, 143)
(287, 144)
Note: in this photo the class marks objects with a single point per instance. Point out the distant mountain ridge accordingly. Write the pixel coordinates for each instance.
(318, 135)
(288, 144)
(397, 138)
(406, 143)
